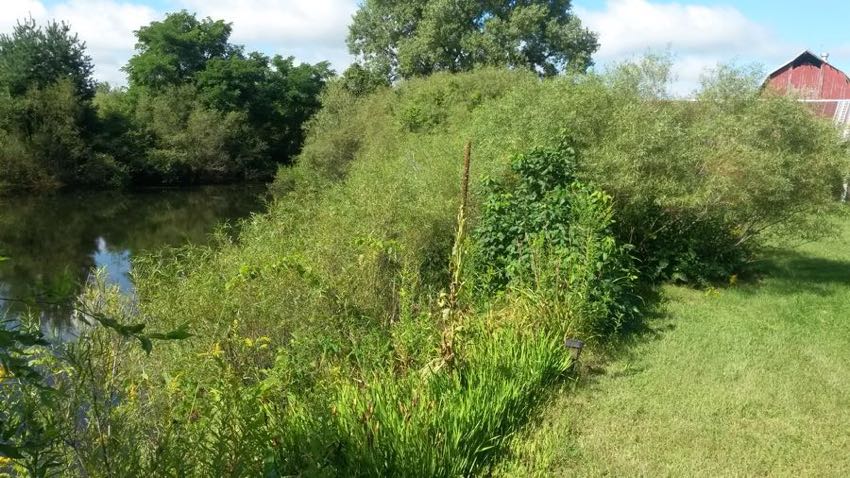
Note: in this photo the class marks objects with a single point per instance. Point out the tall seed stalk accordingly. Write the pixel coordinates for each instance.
(450, 310)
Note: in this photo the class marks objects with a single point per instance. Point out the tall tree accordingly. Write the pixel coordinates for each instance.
(38, 57)
(418, 37)
(276, 95)
(189, 84)
(173, 51)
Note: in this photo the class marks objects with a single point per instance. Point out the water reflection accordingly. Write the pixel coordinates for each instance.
(116, 263)
(54, 242)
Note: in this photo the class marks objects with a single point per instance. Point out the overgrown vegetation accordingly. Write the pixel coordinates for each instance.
(398, 311)
(198, 109)
(363, 327)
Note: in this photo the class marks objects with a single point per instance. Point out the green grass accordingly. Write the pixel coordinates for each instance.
(749, 380)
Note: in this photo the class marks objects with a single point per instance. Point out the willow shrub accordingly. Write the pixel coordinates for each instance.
(702, 185)
(43, 141)
(697, 185)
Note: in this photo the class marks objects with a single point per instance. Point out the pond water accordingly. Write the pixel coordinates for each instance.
(54, 242)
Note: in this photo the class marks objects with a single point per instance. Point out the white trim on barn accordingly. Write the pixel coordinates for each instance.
(841, 118)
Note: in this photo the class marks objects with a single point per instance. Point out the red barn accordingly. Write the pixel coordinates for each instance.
(815, 81)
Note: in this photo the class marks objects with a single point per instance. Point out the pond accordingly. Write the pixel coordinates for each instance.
(54, 242)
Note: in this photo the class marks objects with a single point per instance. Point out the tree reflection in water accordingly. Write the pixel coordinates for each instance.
(55, 242)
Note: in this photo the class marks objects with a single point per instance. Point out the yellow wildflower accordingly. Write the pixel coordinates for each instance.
(131, 392)
(5, 461)
(173, 384)
(263, 342)
(216, 350)
(249, 343)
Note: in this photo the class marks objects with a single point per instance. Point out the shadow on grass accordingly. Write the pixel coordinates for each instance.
(783, 272)
(651, 325)
(794, 272)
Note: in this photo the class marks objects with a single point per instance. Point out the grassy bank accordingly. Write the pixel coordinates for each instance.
(747, 380)
(368, 325)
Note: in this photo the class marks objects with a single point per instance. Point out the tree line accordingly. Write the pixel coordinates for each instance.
(200, 109)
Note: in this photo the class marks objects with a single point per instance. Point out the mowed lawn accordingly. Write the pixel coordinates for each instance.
(749, 380)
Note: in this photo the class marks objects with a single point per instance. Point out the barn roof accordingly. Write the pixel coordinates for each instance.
(805, 54)
(812, 58)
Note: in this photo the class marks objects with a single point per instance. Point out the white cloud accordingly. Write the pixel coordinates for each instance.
(107, 28)
(105, 25)
(699, 36)
(629, 25)
(311, 30)
(321, 22)
(14, 10)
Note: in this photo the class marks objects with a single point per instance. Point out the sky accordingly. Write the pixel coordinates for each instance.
(698, 33)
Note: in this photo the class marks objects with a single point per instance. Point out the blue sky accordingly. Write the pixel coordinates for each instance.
(699, 33)
(817, 25)
(820, 23)
(783, 28)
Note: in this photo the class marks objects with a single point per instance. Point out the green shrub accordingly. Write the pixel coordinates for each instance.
(194, 144)
(697, 186)
(338, 130)
(389, 122)
(45, 142)
(102, 170)
(19, 168)
(701, 185)
(543, 231)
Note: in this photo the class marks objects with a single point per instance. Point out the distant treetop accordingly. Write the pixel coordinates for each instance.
(174, 50)
(37, 57)
(397, 40)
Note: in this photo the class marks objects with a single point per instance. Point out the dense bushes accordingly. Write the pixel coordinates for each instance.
(696, 185)
(192, 143)
(701, 184)
(325, 343)
(45, 115)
